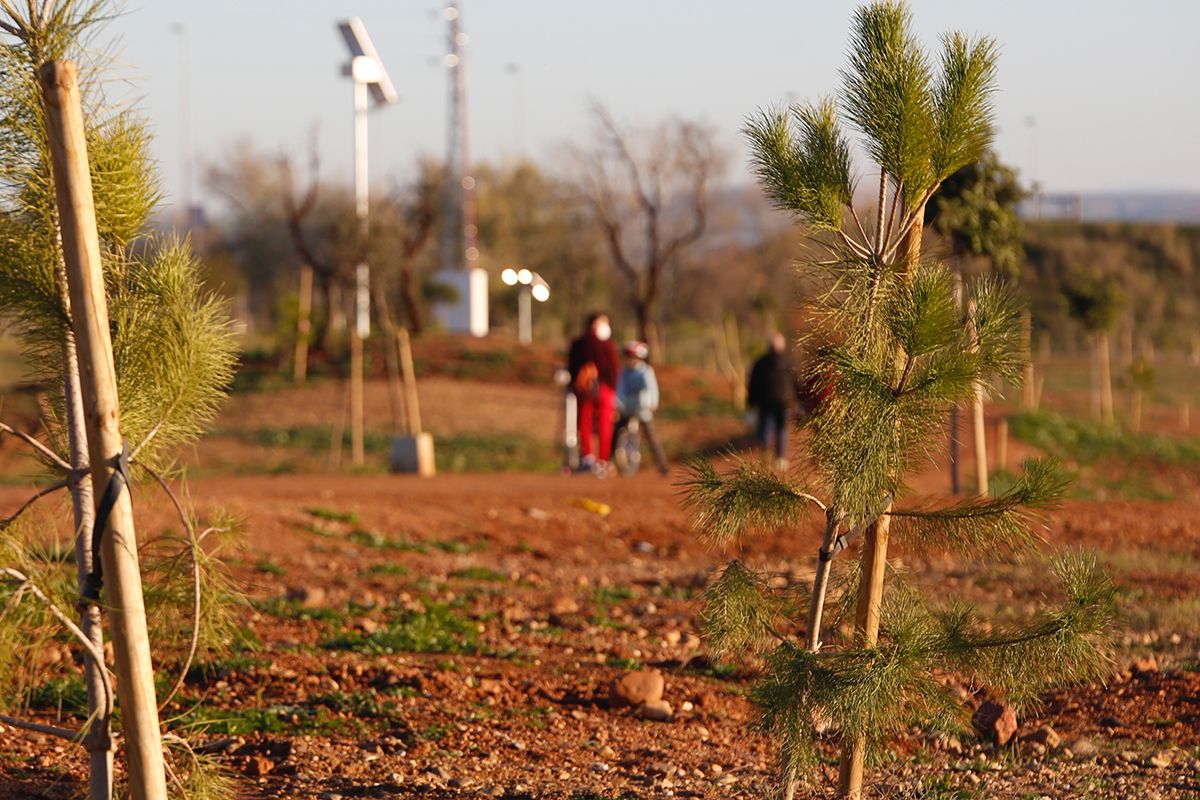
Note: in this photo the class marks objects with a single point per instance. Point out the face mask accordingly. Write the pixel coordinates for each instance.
(603, 331)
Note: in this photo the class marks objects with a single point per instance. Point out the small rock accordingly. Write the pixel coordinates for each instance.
(1083, 749)
(494, 791)
(564, 605)
(672, 637)
(538, 514)
(1161, 759)
(259, 766)
(1045, 736)
(658, 711)
(686, 705)
(366, 625)
(995, 721)
(725, 780)
(329, 796)
(715, 769)
(1144, 665)
(1128, 756)
(307, 596)
(599, 766)
(659, 769)
(636, 688)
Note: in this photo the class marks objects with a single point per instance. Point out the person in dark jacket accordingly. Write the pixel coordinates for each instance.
(772, 393)
(593, 364)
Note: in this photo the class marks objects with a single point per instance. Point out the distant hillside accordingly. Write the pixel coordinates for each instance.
(1157, 267)
(1183, 207)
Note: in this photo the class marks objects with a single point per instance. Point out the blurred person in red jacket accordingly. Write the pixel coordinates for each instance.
(593, 364)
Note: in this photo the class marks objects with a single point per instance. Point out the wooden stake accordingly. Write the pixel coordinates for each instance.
(1028, 399)
(408, 369)
(356, 399)
(978, 428)
(1106, 395)
(89, 319)
(1002, 444)
(303, 326)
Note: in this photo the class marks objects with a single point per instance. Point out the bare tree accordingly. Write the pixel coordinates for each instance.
(296, 213)
(649, 195)
(406, 226)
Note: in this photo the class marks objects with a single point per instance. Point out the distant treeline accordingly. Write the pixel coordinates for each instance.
(1155, 266)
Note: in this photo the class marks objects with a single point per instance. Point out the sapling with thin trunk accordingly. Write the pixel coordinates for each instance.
(894, 353)
(173, 348)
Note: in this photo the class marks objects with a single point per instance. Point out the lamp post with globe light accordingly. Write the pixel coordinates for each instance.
(533, 287)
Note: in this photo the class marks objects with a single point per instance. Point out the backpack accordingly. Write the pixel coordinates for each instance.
(587, 381)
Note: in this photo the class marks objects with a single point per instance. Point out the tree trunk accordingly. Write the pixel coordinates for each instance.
(408, 298)
(641, 312)
(98, 742)
(323, 330)
(1106, 395)
(870, 586)
(303, 326)
(1135, 409)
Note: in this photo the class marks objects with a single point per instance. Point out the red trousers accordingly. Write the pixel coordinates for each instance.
(596, 414)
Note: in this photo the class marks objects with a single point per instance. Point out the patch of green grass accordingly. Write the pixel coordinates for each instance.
(385, 569)
(495, 452)
(68, 694)
(365, 705)
(455, 547)
(623, 663)
(208, 670)
(282, 608)
(479, 574)
(333, 515)
(433, 733)
(268, 567)
(439, 630)
(287, 720)
(939, 788)
(707, 405)
(1087, 442)
(608, 595)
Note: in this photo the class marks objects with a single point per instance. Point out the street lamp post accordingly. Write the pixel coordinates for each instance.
(371, 82)
(533, 287)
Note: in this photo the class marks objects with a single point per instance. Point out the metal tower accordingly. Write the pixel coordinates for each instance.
(460, 247)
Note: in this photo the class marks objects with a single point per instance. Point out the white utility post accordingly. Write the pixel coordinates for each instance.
(533, 287)
(371, 82)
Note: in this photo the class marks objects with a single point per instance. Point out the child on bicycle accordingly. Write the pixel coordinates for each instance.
(637, 400)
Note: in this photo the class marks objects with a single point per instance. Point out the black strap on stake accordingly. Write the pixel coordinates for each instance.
(843, 541)
(116, 482)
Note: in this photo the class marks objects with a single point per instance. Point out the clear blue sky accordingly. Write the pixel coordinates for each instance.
(1110, 84)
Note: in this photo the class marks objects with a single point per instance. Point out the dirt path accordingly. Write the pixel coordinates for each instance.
(457, 638)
